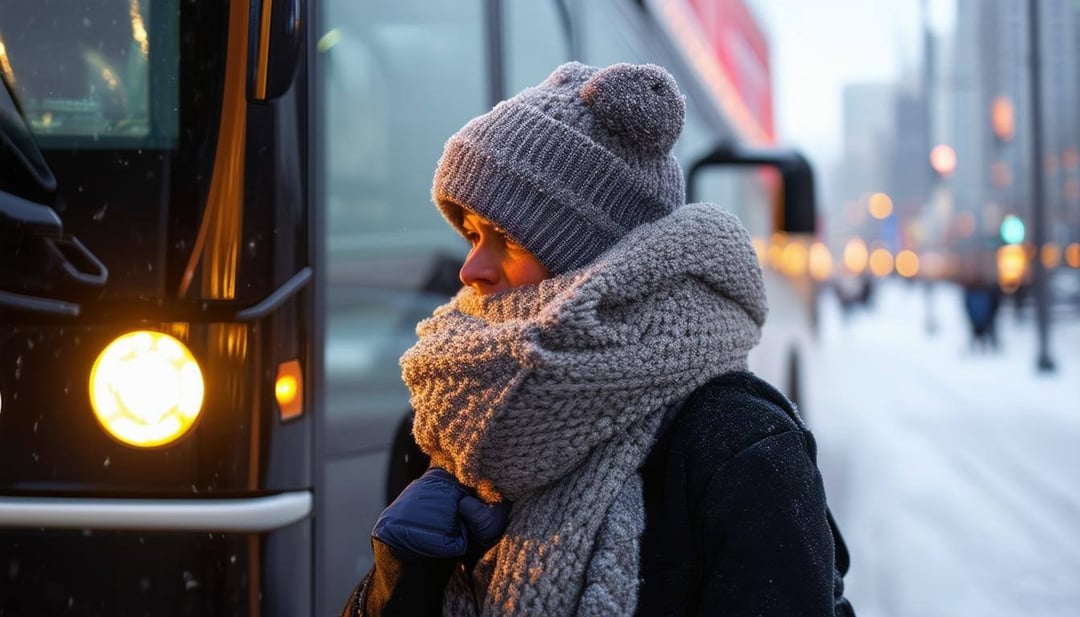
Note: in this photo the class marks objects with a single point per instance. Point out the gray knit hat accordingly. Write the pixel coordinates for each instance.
(568, 167)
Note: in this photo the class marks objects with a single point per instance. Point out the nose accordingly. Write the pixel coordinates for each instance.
(480, 270)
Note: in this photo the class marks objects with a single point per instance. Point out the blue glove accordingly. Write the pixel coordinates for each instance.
(424, 520)
(485, 523)
(435, 516)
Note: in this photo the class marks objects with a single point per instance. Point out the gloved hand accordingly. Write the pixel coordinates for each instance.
(424, 520)
(435, 516)
(486, 524)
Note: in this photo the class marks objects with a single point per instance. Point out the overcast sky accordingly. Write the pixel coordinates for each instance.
(818, 46)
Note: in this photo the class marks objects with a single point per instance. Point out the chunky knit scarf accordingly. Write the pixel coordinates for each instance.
(550, 395)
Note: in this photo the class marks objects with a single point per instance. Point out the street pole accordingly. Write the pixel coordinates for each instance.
(934, 177)
(1039, 274)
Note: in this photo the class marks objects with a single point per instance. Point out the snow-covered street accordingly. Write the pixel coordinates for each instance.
(954, 474)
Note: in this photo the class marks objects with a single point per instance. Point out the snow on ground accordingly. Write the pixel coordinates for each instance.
(954, 474)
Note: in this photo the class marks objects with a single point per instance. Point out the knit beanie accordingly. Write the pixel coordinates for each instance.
(566, 168)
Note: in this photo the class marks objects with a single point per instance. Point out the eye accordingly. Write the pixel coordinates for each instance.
(472, 237)
(508, 242)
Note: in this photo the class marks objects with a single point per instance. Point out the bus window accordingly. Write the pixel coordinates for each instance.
(399, 78)
(535, 42)
(83, 73)
(743, 192)
(612, 32)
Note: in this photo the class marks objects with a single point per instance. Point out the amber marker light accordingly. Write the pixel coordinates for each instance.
(146, 389)
(289, 389)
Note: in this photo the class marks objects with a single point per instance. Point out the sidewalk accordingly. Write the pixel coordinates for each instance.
(955, 475)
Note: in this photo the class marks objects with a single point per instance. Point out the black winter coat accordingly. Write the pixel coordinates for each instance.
(736, 519)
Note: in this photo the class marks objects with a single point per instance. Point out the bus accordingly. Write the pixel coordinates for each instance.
(217, 238)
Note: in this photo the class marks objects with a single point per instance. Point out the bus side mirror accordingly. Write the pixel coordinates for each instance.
(798, 213)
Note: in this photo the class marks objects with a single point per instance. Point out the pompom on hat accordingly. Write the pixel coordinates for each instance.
(566, 168)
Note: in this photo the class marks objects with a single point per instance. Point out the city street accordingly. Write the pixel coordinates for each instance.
(953, 473)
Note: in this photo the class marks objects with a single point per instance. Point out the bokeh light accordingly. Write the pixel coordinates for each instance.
(881, 262)
(1050, 255)
(794, 259)
(855, 255)
(821, 261)
(907, 263)
(1072, 255)
(943, 159)
(880, 206)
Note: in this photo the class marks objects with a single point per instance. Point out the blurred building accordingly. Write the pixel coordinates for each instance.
(991, 127)
(870, 139)
(1061, 78)
(910, 184)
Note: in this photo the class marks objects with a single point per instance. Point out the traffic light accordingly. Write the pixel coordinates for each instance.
(1012, 230)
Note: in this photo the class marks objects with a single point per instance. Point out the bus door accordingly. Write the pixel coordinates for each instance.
(157, 310)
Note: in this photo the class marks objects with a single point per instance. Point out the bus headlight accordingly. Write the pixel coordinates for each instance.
(146, 388)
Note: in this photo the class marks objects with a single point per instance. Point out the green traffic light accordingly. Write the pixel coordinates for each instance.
(1012, 230)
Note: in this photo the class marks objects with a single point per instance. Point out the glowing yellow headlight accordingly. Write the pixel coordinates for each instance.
(146, 388)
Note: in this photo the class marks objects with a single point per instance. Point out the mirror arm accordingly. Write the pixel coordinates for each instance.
(799, 212)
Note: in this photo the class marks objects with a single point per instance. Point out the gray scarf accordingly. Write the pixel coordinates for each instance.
(550, 395)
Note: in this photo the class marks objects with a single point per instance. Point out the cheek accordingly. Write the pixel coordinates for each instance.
(525, 270)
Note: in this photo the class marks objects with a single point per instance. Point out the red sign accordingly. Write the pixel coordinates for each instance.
(743, 52)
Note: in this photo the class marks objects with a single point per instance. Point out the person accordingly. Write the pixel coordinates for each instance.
(597, 444)
(981, 303)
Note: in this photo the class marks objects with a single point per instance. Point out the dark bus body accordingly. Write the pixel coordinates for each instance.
(180, 177)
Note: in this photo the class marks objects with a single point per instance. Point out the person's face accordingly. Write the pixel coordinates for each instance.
(496, 263)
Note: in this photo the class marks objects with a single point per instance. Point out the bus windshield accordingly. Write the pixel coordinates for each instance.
(101, 73)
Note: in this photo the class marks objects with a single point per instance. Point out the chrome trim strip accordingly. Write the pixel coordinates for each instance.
(251, 515)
